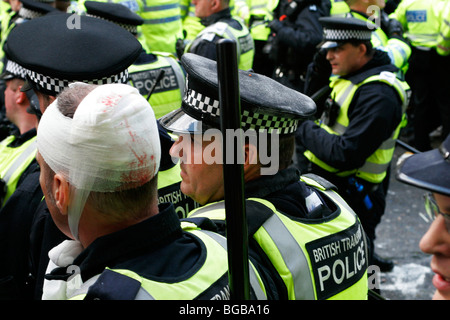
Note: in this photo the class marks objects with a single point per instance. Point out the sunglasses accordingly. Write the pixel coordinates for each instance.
(432, 210)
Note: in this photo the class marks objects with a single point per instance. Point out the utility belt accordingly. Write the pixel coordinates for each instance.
(351, 185)
(363, 185)
(361, 189)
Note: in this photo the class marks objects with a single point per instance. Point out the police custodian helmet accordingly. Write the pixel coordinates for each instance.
(265, 103)
(56, 53)
(116, 13)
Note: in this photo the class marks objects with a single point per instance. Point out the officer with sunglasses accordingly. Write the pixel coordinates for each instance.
(431, 171)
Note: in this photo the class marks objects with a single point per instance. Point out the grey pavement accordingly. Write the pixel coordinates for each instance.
(398, 237)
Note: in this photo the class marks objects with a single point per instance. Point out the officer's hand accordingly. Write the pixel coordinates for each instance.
(321, 64)
(276, 25)
(179, 47)
(395, 28)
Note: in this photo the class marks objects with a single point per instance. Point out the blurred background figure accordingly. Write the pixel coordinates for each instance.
(425, 25)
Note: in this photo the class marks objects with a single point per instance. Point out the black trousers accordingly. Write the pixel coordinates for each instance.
(428, 77)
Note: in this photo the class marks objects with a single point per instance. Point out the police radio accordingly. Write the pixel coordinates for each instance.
(330, 112)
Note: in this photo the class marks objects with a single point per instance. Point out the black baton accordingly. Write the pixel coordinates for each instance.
(158, 79)
(236, 221)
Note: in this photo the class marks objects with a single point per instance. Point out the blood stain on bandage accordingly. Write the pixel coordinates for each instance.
(110, 101)
(130, 132)
(136, 178)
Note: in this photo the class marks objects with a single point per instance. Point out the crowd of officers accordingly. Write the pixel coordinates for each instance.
(338, 128)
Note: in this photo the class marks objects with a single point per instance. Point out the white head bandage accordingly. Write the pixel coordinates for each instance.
(111, 144)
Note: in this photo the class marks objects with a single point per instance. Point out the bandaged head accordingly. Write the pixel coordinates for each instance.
(111, 144)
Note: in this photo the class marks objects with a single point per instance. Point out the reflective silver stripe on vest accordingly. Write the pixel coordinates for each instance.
(374, 168)
(143, 295)
(211, 207)
(85, 286)
(345, 94)
(254, 283)
(21, 159)
(293, 256)
(337, 127)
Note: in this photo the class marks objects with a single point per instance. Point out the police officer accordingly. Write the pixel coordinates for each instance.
(387, 37)
(389, 34)
(125, 245)
(99, 52)
(431, 171)
(18, 150)
(285, 212)
(353, 142)
(428, 73)
(216, 17)
(19, 12)
(164, 95)
(297, 33)
(260, 12)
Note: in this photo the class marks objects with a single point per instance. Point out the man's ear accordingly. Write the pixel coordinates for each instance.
(250, 154)
(22, 98)
(251, 164)
(362, 49)
(61, 193)
(215, 4)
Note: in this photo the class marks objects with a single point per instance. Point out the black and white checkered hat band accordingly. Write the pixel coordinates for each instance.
(58, 85)
(260, 122)
(29, 14)
(16, 69)
(338, 34)
(128, 27)
(249, 120)
(202, 103)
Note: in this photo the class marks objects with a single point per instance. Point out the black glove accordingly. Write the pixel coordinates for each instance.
(179, 47)
(321, 64)
(395, 29)
(276, 25)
